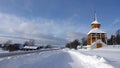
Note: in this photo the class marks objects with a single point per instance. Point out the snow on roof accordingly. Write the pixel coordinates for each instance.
(30, 47)
(95, 22)
(96, 30)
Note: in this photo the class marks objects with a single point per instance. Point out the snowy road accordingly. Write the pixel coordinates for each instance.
(55, 59)
(10, 54)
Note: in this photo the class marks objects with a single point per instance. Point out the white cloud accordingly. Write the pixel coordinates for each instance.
(45, 30)
(38, 29)
(26, 28)
(18, 25)
(75, 35)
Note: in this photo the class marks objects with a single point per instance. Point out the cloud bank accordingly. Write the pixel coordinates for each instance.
(43, 30)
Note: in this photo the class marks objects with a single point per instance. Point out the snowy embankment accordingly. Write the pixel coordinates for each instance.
(55, 59)
(110, 53)
(90, 61)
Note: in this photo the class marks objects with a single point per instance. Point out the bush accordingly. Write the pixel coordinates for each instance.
(48, 46)
(11, 47)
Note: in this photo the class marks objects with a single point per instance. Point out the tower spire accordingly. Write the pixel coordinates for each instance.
(95, 23)
(95, 17)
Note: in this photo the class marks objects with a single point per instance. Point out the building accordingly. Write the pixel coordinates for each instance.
(30, 48)
(96, 37)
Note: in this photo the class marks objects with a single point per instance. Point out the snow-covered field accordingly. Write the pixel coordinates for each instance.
(107, 57)
(2, 51)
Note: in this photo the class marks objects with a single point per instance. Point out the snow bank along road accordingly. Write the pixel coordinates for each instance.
(87, 61)
(55, 59)
(112, 55)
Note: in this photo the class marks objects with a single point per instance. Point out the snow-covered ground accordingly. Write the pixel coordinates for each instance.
(3, 51)
(107, 57)
(110, 53)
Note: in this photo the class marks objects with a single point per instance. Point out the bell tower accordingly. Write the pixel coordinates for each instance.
(97, 38)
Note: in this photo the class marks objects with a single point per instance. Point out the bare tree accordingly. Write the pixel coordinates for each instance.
(26, 43)
(31, 42)
(8, 42)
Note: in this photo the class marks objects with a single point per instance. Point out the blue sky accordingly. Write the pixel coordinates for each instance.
(57, 19)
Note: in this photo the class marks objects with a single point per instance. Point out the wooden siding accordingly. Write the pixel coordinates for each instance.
(99, 45)
(95, 26)
(96, 36)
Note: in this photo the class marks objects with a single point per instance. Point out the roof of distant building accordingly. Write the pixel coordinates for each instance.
(30, 47)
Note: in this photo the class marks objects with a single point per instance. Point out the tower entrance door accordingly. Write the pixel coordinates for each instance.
(99, 45)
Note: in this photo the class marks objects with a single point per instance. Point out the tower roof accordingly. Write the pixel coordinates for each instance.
(96, 30)
(95, 22)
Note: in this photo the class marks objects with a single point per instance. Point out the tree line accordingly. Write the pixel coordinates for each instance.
(114, 39)
(75, 43)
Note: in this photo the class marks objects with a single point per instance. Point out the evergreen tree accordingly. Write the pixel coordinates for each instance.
(112, 40)
(118, 36)
(84, 41)
(73, 44)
